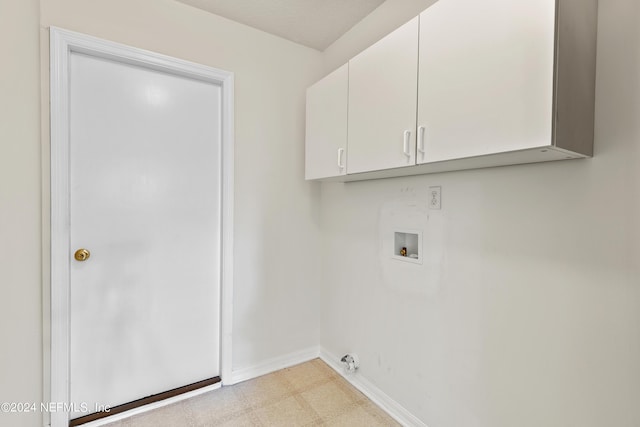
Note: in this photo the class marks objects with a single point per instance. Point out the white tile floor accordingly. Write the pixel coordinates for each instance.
(310, 394)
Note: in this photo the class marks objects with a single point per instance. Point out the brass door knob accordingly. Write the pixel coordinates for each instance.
(82, 254)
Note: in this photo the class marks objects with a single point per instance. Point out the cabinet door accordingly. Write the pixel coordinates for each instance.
(326, 137)
(486, 77)
(382, 102)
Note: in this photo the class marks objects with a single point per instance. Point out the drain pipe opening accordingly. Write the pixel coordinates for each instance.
(351, 363)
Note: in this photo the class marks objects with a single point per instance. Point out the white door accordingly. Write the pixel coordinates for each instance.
(486, 77)
(145, 202)
(326, 130)
(383, 81)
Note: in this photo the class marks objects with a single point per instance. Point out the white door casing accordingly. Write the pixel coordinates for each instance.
(66, 46)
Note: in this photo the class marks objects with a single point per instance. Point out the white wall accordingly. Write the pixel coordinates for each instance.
(20, 266)
(276, 211)
(527, 312)
(385, 18)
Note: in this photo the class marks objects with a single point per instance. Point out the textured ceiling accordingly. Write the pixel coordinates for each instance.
(313, 23)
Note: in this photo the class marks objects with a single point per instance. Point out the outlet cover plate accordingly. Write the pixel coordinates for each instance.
(435, 201)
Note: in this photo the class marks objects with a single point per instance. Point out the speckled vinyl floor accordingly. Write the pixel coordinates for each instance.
(310, 394)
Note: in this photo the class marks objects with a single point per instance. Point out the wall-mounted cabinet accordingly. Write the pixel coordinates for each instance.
(326, 126)
(486, 77)
(491, 83)
(383, 81)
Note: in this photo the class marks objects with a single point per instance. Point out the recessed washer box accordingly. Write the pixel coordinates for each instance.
(407, 246)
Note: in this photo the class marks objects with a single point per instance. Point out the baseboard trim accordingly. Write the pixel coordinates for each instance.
(273, 364)
(377, 396)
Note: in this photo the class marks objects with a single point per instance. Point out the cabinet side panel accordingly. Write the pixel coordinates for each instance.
(576, 75)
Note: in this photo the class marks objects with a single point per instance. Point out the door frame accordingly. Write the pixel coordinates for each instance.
(62, 44)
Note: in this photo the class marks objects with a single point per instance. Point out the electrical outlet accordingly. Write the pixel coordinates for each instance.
(434, 197)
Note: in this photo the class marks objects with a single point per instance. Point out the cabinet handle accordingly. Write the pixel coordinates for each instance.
(340, 155)
(421, 130)
(405, 148)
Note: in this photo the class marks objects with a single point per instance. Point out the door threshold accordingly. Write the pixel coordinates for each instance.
(146, 403)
